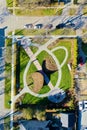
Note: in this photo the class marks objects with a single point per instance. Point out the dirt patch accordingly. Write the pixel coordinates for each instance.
(38, 81)
(50, 64)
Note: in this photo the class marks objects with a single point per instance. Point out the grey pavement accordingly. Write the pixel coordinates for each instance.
(3, 111)
(3, 3)
(1, 125)
(3, 11)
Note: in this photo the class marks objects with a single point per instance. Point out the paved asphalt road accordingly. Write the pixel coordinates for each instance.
(18, 22)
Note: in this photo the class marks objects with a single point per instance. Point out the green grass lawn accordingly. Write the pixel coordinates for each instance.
(9, 3)
(85, 10)
(42, 56)
(39, 12)
(39, 32)
(72, 11)
(60, 54)
(27, 32)
(66, 76)
(8, 77)
(7, 92)
(29, 79)
(8, 71)
(29, 99)
(7, 123)
(65, 83)
(23, 62)
(66, 43)
(53, 78)
(64, 31)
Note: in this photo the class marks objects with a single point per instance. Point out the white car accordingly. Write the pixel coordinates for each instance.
(28, 26)
(80, 105)
(85, 105)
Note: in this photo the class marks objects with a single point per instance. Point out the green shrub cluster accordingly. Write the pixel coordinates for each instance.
(29, 113)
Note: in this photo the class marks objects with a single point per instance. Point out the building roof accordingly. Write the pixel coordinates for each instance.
(67, 120)
(34, 125)
(84, 118)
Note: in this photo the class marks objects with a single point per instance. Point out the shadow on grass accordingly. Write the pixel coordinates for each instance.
(20, 32)
(10, 3)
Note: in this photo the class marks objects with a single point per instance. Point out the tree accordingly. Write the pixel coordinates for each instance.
(40, 115)
(27, 113)
(75, 1)
(33, 3)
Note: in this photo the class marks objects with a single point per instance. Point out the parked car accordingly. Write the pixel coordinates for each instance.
(80, 105)
(48, 26)
(85, 105)
(28, 26)
(61, 25)
(38, 26)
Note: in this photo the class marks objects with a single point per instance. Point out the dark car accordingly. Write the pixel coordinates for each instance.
(38, 26)
(61, 25)
(48, 26)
